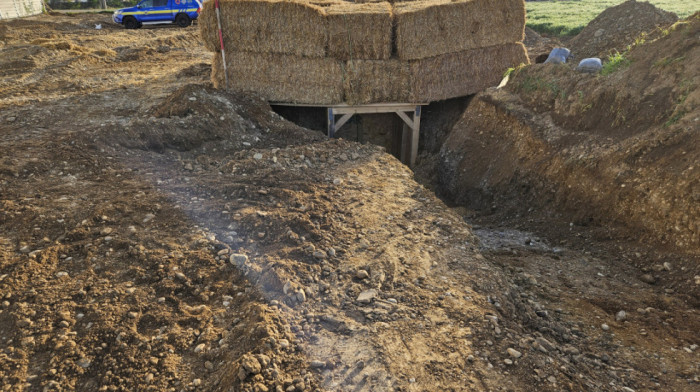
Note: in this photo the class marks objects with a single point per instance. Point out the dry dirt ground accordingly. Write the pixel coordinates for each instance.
(159, 235)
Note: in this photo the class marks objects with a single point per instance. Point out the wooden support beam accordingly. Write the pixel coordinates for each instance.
(405, 118)
(330, 118)
(415, 136)
(342, 120)
(405, 146)
(411, 128)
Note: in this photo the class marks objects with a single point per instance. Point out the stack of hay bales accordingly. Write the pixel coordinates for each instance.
(333, 51)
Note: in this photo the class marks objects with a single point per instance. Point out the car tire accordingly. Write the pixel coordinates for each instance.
(130, 22)
(183, 20)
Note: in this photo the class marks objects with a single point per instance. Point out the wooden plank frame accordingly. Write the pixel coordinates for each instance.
(410, 113)
(411, 128)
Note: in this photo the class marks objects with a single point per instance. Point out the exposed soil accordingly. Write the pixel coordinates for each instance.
(538, 47)
(622, 146)
(617, 27)
(157, 234)
(606, 165)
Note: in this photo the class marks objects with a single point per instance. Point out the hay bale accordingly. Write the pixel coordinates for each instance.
(464, 73)
(359, 31)
(217, 71)
(292, 79)
(433, 79)
(282, 78)
(369, 81)
(428, 28)
(266, 26)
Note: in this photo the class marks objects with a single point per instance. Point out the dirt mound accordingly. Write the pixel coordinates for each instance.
(204, 115)
(617, 27)
(538, 47)
(619, 148)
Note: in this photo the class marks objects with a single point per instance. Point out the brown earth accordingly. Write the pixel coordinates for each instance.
(538, 47)
(617, 27)
(157, 234)
(621, 146)
(609, 159)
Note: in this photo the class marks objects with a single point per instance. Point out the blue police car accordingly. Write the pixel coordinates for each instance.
(180, 12)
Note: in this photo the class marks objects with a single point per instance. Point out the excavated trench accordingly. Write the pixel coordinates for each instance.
(190, 238)
(590, 209)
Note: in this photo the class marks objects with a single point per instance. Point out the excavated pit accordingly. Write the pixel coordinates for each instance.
(155, 230)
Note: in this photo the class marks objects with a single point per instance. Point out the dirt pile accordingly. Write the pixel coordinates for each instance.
(538, 47)
(617, 148)
(617, 27)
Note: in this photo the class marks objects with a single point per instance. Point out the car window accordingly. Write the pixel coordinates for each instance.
(160, 3)
(146, 3)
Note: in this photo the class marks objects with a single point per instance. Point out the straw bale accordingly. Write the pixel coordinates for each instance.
(432, 79)
(266, 26)
(217, 71)
(464, 73)
(428, 28)
(368, 81)
(282, 78)
(359, 31)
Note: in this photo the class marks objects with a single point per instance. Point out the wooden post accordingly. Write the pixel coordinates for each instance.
(405, 146)
(331, 123)
(415, 135)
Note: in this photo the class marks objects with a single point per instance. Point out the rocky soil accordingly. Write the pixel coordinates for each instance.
(159, 235)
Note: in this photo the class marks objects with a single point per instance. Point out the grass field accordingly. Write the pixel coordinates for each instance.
(568, 17)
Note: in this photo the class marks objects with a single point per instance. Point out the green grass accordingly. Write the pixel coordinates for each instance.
(531, 84)
(569, 17)
(614, 63)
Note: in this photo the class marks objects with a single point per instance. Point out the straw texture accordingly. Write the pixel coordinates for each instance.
(324, 52)
(359, 31)
(463, 73)
(266, 26)
(282, 78)
(428, 28)
(370, 81)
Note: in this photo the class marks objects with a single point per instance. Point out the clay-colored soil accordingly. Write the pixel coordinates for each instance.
(159, 235)
(604, 163)
(617, 27)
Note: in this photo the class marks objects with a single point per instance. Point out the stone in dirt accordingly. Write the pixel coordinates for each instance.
(514, 353)
(238, 259)
(316, 364)
(367, 296)
(648, 278)
(621, 316)
(544, 344)
(249, 365)
(361, 274)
